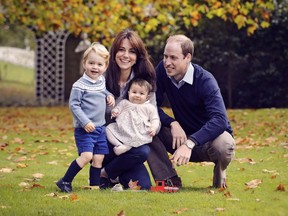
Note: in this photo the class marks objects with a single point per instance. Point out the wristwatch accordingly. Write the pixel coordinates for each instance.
(190, 144)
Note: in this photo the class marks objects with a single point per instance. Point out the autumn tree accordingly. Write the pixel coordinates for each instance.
(154, 21)
(102, 19)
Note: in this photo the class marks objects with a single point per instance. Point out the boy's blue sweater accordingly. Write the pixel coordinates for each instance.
(88, 102)
(199, 108)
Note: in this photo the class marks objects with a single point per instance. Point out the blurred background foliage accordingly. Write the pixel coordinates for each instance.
(243, 43)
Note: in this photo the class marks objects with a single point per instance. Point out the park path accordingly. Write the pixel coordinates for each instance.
(18, 56)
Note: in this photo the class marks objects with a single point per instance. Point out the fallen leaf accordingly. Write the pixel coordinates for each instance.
(271, 139)
(244, 147)
(18, 149)
(20, 159)
(42, 147)
(64, 197)
(10, 157)
(18, 140)
(133, 185)
(37, 186)
(206, 163)
(253, 184)
(43, 153)
(38, 175)
(3, 145)
(51, 195)
(20, 165)
(227, 194)
(6, 170)
(269, 171)
(220, 209)
(121, 213)
(4, 207)
(246, 160)
(211, 192)
(29, 179)
(23, 184)
(88, 187)
(280, 187)
(233, 199)
(4, 137)
(53, 162)
(73, 197)
(221, 189)
(180, 211)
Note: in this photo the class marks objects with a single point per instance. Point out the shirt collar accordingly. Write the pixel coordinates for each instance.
(85, 76)
(188, 77)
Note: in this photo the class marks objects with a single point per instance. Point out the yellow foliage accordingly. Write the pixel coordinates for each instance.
(240, 20)
(137, 9)
(194, 22)
(151, 25)
(103, 19)
(195, 14)
(162, 18)
(265, 24)
(233, 11)
(244, 11)
(1, 18)
(251, 29)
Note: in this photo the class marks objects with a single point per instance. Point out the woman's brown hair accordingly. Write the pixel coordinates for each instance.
(143, 67)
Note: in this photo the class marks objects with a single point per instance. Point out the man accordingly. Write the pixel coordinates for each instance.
(200, 130)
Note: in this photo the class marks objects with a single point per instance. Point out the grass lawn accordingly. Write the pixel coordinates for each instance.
(37, 145)
(17, 85)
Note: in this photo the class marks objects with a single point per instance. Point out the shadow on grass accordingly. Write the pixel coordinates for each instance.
(196, 189)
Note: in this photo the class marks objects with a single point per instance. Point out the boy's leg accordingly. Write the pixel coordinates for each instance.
(65, 183)
(94, 174)
(99, 150)
(72, 171)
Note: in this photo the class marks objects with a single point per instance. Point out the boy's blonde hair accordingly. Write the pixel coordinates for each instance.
(99, 49)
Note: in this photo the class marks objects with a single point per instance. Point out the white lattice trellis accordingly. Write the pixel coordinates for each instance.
(50, 68)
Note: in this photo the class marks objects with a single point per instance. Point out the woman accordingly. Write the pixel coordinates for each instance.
(128, 59)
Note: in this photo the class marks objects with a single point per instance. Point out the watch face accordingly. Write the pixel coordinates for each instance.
(189, 144)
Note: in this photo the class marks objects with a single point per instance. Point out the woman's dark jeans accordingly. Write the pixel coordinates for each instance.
(128, 166)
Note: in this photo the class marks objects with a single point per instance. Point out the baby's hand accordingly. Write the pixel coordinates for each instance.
(110, 100)
(90, 127)
(152, 132)
(114, 114)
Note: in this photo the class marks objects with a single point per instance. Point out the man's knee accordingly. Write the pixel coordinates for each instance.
(223, 148)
